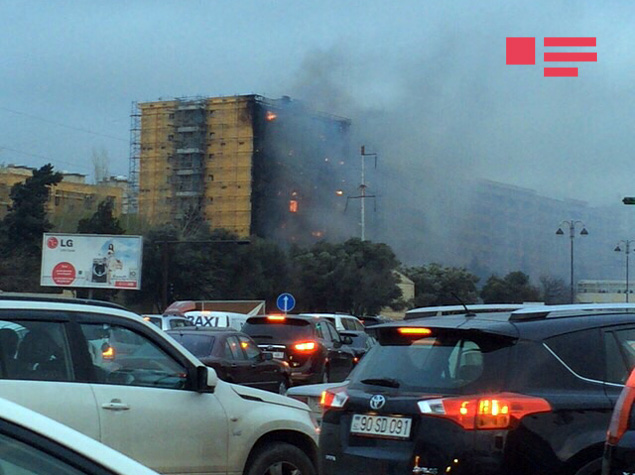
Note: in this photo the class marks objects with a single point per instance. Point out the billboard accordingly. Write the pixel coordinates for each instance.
(91, 260)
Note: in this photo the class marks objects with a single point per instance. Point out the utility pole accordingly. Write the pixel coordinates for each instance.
(362, 190)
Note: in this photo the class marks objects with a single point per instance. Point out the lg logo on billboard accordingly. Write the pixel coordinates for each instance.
(53, 242)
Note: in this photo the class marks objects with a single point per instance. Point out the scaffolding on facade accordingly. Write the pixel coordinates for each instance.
(188, 163)
(135, 156)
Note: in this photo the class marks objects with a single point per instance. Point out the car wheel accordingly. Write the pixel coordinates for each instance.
(591, 468)
(280, 458)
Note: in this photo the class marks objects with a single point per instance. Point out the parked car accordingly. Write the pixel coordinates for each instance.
(526, 392)
(619, 451)
(168, 322)
(341, 321)
(361, 343)
(198, 423)
(33, 444)
(311, 346)
(235, 357)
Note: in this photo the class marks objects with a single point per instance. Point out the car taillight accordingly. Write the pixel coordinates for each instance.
(306, 346)
(334, 398)
(622, 412)
(493, 411)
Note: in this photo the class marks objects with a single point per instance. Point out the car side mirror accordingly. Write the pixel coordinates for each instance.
(206, 379)
(267, 356)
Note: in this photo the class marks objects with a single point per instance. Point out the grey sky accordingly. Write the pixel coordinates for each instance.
(424, 82)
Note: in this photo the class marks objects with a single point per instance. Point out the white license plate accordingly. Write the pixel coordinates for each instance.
(279, 355)
(381, 426)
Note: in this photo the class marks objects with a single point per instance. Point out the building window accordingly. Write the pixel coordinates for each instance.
(171, 116)
(293, 206)
(211, 112)
(170, 138)
(211, 135)
(211, 177)
(211, 156)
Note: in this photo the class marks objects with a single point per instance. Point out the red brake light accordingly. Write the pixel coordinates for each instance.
(305, 346)
(622, 412)
(334, 398)
(494, 411)
(276, 318)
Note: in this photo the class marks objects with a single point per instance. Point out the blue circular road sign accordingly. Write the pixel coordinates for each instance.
(285, 302)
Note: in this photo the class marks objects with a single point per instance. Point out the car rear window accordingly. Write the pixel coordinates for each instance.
(290, 328)
(445, 362)
(199, 345)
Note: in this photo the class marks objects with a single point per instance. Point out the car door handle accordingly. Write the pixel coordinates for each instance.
(115, 405)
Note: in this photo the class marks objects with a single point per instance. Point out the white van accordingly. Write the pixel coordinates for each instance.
(214, 318)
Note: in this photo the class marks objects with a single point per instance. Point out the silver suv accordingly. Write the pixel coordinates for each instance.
(111, 375)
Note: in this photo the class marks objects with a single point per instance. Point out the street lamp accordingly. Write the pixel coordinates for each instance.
(572, 223)
(627, 251)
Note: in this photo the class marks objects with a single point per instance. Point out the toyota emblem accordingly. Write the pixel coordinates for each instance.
(377, 401)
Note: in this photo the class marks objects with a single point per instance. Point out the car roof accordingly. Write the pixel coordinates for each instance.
(536, 323)
(204, 330)
(64, 435)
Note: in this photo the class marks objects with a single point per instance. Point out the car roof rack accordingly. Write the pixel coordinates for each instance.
(26, 297)
(442, 310)
(567, 310)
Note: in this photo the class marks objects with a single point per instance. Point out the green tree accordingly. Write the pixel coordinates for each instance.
(102, 221)
(355, 276)
(439, 285)
(26, 220)
(515, 287)
(22, 230)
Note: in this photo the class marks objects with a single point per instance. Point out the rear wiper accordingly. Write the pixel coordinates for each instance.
(388, 382)
(261, 336)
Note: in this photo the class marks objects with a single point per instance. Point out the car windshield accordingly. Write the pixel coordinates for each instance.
(449, 363)
(263, 330)
(199, 345)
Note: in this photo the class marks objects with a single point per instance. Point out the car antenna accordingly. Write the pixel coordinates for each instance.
(467, 310)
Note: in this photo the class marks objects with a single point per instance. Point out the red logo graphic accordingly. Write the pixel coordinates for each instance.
(522, 51)
(52, 243)
(63, 273)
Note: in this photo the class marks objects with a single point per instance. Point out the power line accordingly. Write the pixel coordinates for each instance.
(59, 124)
(51, 160)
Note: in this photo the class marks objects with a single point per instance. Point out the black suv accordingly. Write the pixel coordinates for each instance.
(527, 392)
(313, 348)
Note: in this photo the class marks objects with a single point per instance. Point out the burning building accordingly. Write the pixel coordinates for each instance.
(251, 165)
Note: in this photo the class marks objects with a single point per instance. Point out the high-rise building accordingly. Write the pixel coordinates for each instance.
(248, 164)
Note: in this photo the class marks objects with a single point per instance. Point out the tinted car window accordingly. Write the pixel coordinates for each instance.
(34, 350)
(620, 354)
(121, 356)
(19, 458)
(582, 351)
(251, 350)
(199, 345)
(232, 349)
(178, 323)
(289, 329)
(450, 363)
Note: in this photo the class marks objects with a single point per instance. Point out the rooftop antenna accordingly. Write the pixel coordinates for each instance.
(362, 188)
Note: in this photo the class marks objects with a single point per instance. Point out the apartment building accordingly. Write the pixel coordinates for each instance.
(248, 164)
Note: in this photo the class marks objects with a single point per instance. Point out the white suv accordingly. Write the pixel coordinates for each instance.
(107, 373)
(341, 321)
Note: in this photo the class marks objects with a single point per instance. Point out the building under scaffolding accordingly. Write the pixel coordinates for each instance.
(243, 163)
